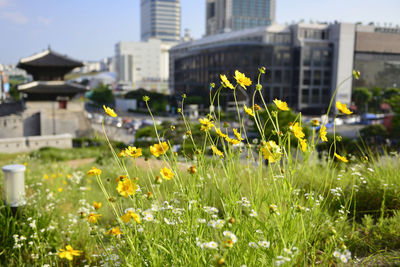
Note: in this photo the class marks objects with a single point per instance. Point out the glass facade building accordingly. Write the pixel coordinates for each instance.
(234, 15)
(161, 19)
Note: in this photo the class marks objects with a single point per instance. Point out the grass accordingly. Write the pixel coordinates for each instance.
(226, 209)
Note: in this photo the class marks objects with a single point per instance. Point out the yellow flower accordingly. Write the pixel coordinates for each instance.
(159, 149)
(315, 122)
(343, 108)
(344, 159)
(298, 131)
(206, 124)
(225, 82)
(126, 187)
(220, 133)
(94, 171)
(45, 176)
(92, 218)
(356, 74)
(242, 79)
(303, 145)
(53, 175)
(232, 140)
(322, 133)
(271, 151)
(115, 231)
(60, 189)
(97, 205)
(129, 215)
(122, 154)
(256, 107)
(68, 253)
(166, 173)
(217, 151)
(237, 135)
(248, 111)
(133, 151)
(281, 104)
(110, 112)
(192, 169)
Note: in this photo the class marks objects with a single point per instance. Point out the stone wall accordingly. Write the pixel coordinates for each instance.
(25, 144)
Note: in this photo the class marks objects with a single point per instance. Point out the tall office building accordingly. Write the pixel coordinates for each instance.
(161, 19)
(232, 15)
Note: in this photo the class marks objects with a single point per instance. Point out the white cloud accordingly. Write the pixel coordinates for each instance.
(44, 20)
(15, 17)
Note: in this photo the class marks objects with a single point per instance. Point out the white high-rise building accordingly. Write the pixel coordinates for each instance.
(160, 19)
(233, 15)
(143, 65)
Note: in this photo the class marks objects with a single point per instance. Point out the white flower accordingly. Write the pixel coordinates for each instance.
(230, 236)
(343, 258)
(264, 244)
(200, 220)
(253, 245)
(212, 245)
(253, 213)
(148, 217)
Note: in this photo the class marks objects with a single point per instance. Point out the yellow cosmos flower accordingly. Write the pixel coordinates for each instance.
(159, 149)
(343, 108)
(220, 133)
(60, 189)
(281, 105)
(271, 151)
(242, 79)
(93, 218)
(166, 173)
(97, 205)
(298, 131)
(256, 107)
(94, 171)
(133, 152)
(303, 145)
(216, 151)
(126, 187)
(232, 140)
(192, 169)
(237, 135)
(110, 112)
(68, 253)
(248, 111)
(114, 231)
(225, 82)
(322, 133)
(45, 176)
(206, 124)
(130, 215)
(341, 158)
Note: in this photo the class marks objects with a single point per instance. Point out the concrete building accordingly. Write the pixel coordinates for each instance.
(160, 19)
(143, 65)
(233, 15)
(377, 56)
(305, 62)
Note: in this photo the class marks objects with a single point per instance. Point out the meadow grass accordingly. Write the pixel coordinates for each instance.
(221, 206)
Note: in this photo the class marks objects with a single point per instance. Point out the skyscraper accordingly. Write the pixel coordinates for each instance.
(232, 15)
(160, 19)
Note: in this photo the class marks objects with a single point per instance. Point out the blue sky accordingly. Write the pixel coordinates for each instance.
(89, 29)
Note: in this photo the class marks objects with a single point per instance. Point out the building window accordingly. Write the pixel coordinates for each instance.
(304, 96)
(306, 77)
(317, 77)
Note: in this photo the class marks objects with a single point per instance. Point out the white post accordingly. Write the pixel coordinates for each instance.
(14, 185)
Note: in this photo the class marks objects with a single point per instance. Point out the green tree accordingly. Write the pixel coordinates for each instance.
(361, 97)
(101, 95)
(390, 92)
(377, 93)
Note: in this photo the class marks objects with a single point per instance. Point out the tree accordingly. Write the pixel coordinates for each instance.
(101, 95)
(390, 92)
(361, 97)
(377, 93)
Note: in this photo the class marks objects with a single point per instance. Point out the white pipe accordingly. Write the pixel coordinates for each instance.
(14, 185)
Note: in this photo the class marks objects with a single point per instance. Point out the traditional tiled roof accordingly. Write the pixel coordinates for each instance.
(49, 58)
(51, 87)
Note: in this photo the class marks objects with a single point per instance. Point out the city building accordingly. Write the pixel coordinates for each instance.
(377, 56)
(160, 19)
(143, 65)
(233, 15)
(305, 62)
